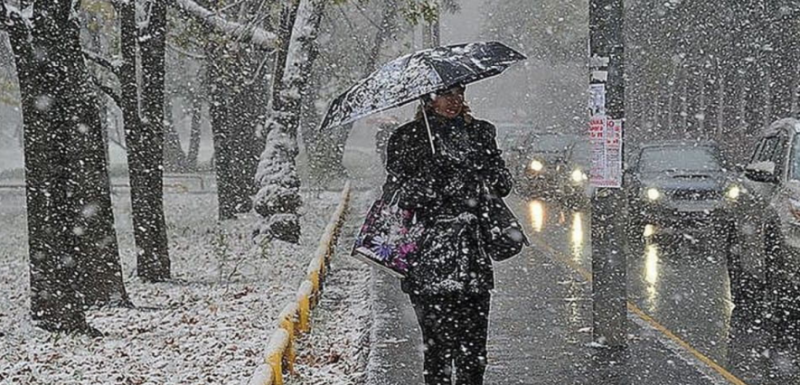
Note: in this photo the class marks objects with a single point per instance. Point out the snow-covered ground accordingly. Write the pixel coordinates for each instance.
(209, 325)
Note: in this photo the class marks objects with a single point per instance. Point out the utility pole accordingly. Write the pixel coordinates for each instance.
(609, 294)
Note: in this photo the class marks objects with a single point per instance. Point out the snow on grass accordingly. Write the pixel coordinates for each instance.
(210, 324)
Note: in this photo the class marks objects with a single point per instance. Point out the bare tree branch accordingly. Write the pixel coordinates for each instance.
(247, 34)
(186, 53)
(102, 61)
(108, 91)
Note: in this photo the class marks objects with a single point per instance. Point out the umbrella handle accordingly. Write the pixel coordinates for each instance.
(427, 125)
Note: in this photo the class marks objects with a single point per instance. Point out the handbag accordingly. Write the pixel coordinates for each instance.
(502, 236)
(445, 264)
(388, 237)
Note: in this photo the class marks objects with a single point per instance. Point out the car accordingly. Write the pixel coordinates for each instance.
(680, 190)
(765, 270)
(551, 166)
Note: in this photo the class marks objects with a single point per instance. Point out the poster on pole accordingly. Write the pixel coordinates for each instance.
(597, 99)
(605, 137)
(598, 154)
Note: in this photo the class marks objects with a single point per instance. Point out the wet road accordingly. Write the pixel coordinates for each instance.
(683, 286)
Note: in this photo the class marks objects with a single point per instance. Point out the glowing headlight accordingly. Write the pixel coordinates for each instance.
(536, 165)
(653, 194)
(733, 192)
(578, 176)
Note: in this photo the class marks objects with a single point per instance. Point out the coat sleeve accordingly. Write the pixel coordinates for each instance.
(494, 171)
(410, 177)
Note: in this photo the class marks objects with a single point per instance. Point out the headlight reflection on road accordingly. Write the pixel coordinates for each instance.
(651, 274)
(649, 230)
(651, 264)
(577, 236)
(536, 210)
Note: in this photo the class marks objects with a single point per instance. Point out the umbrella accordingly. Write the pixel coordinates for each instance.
(410, 77)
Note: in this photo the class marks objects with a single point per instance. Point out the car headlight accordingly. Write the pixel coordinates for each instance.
(578, 176)
(536, 165)
(653, 194)
(733, 192)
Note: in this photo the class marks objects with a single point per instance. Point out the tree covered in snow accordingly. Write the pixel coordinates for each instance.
(238, 91)
(278, 198)
(72, 243)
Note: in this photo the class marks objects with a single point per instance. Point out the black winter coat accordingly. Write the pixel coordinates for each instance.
(445, 190)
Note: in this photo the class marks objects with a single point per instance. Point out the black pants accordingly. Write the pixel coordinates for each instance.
(454, 330)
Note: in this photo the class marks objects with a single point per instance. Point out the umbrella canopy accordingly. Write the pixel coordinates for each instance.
(410, 77)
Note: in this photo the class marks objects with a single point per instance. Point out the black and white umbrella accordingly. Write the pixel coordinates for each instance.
(410, 77)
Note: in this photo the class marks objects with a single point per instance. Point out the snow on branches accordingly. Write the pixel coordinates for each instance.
(213, 20)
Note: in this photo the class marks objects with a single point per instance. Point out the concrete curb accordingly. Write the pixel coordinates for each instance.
(295, 317)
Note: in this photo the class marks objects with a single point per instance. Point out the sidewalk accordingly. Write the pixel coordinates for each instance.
(539, 334)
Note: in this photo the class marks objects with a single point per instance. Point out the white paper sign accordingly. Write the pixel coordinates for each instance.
(597, 99)
(605, 136)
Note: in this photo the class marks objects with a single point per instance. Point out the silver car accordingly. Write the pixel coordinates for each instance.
(765, 267)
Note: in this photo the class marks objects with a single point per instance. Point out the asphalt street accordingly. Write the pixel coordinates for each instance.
(680, 288)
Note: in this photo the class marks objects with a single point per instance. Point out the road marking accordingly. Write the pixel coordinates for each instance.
(648, 320)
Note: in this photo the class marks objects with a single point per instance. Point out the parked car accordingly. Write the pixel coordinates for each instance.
(767, 261)
(680, 189)
(552, 166)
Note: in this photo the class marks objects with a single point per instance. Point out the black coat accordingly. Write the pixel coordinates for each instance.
(445, 190)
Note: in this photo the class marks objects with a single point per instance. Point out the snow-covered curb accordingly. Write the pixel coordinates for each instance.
(294, 318)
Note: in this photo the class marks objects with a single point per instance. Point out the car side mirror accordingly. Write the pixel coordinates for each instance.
(761, 172)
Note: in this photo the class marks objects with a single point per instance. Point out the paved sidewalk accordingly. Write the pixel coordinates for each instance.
(539, 334)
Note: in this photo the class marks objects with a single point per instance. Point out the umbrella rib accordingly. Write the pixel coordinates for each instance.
(427, 125)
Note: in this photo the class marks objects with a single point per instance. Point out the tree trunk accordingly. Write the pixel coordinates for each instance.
(237, 90)
(146, 152)
(174, 157)
(238, 95)
(72, 242)
(194, 135)
(279, 196)
(694, 88)
(711, 103)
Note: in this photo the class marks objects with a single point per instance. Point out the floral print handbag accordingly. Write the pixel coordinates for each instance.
(388, 237)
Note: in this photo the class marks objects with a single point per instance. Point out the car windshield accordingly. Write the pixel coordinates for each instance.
(678, 158)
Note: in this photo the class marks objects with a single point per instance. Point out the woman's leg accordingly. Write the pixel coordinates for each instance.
(436, 320)
(470, 352)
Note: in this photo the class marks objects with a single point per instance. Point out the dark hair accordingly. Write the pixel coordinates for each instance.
(427, 102)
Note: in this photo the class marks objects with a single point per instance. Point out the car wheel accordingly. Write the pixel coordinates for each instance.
(747, 293)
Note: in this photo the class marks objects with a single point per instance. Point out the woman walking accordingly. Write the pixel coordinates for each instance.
(442, 165)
